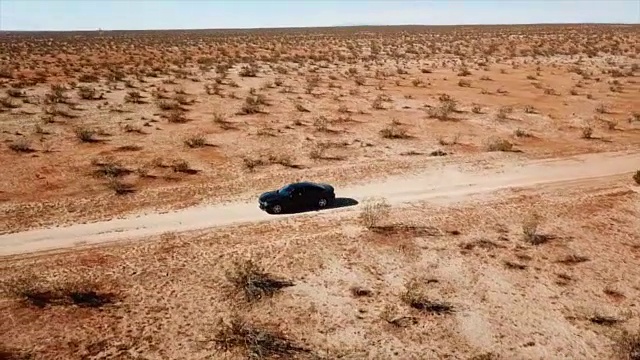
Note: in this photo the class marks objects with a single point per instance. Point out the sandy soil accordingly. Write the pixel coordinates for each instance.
(320, 107)
(519, 239)
(510, 298)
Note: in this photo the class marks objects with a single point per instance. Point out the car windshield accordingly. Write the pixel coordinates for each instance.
(286, 190)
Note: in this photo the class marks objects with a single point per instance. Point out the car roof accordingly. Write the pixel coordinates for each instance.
(306, 184)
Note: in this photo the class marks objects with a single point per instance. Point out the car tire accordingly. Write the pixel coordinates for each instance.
(322, 203)
(275, 209)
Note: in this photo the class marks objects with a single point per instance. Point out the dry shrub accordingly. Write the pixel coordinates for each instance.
(530, 229)
(21, 146)
(176, 116)
(41, 293)
(252, 105)
(394, 131)
(248, 71)
(182, 166)
(359, 291)
(628, 346)
(8, 353)
(485, 356)
(503, 113)
(16, 93)
(110, 169)
(415, 296)
(464, 83)
(249, 279)
(196, 141)
(9, 103)
(167, 105)
(89, 93)
(321, 123)
(444, 110)
(134, 97)
(56, 95)
(573, 259)
(603, 320)
(636, 177)
(213, 89)
(282, 159)
(378, 104)
(318, 150)
(587, 132)
(256, 341)
(373, 212)
(301, 108)
(521, 133)
(252, 163)
(85, 135)
(88, 78)
(498, 144)
(120, 187)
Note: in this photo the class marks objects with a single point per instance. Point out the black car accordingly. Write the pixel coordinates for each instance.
(297, 196)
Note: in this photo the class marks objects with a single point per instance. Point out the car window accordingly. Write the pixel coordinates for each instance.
(286, 190)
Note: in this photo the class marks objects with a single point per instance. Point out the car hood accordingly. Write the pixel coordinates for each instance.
(269, 196)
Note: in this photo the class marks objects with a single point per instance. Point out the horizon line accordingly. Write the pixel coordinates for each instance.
(325, 27)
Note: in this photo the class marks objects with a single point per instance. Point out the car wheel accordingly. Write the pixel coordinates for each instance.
(322, 203)
(276, 209)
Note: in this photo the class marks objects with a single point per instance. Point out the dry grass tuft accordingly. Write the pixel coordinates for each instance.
(373, 212)
(255, 341)
(85, 135)
(110, 169)
(250, 279)
(444, 110)
(415, 297)
(587, 132)
(497, 144)
(628, 346)
(21, 146)
(394, 131)
(7, 353)
(43, 292)
(120, 187)
(530, 230)
(195, 141)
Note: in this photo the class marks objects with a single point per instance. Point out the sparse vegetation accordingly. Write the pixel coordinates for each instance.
(394, 131)
(88, 117)
(373, 212)
(86, 135)
(628, 346)
(530, 229)
(41, 293)
(21, 146)
(416, 297)
(250, 280)
(195, 141)
(498, 144)
(256, 342)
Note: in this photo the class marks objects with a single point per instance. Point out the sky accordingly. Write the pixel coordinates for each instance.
(215, 14)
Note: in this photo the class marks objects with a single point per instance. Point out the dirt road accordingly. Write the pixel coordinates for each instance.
(445, 185)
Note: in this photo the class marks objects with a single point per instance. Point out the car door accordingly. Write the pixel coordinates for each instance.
(310, 196)
(299, 200)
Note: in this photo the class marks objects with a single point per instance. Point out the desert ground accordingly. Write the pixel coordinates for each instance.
(496, 171)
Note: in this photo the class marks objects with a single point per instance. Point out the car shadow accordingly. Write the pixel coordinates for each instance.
(339, 202)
